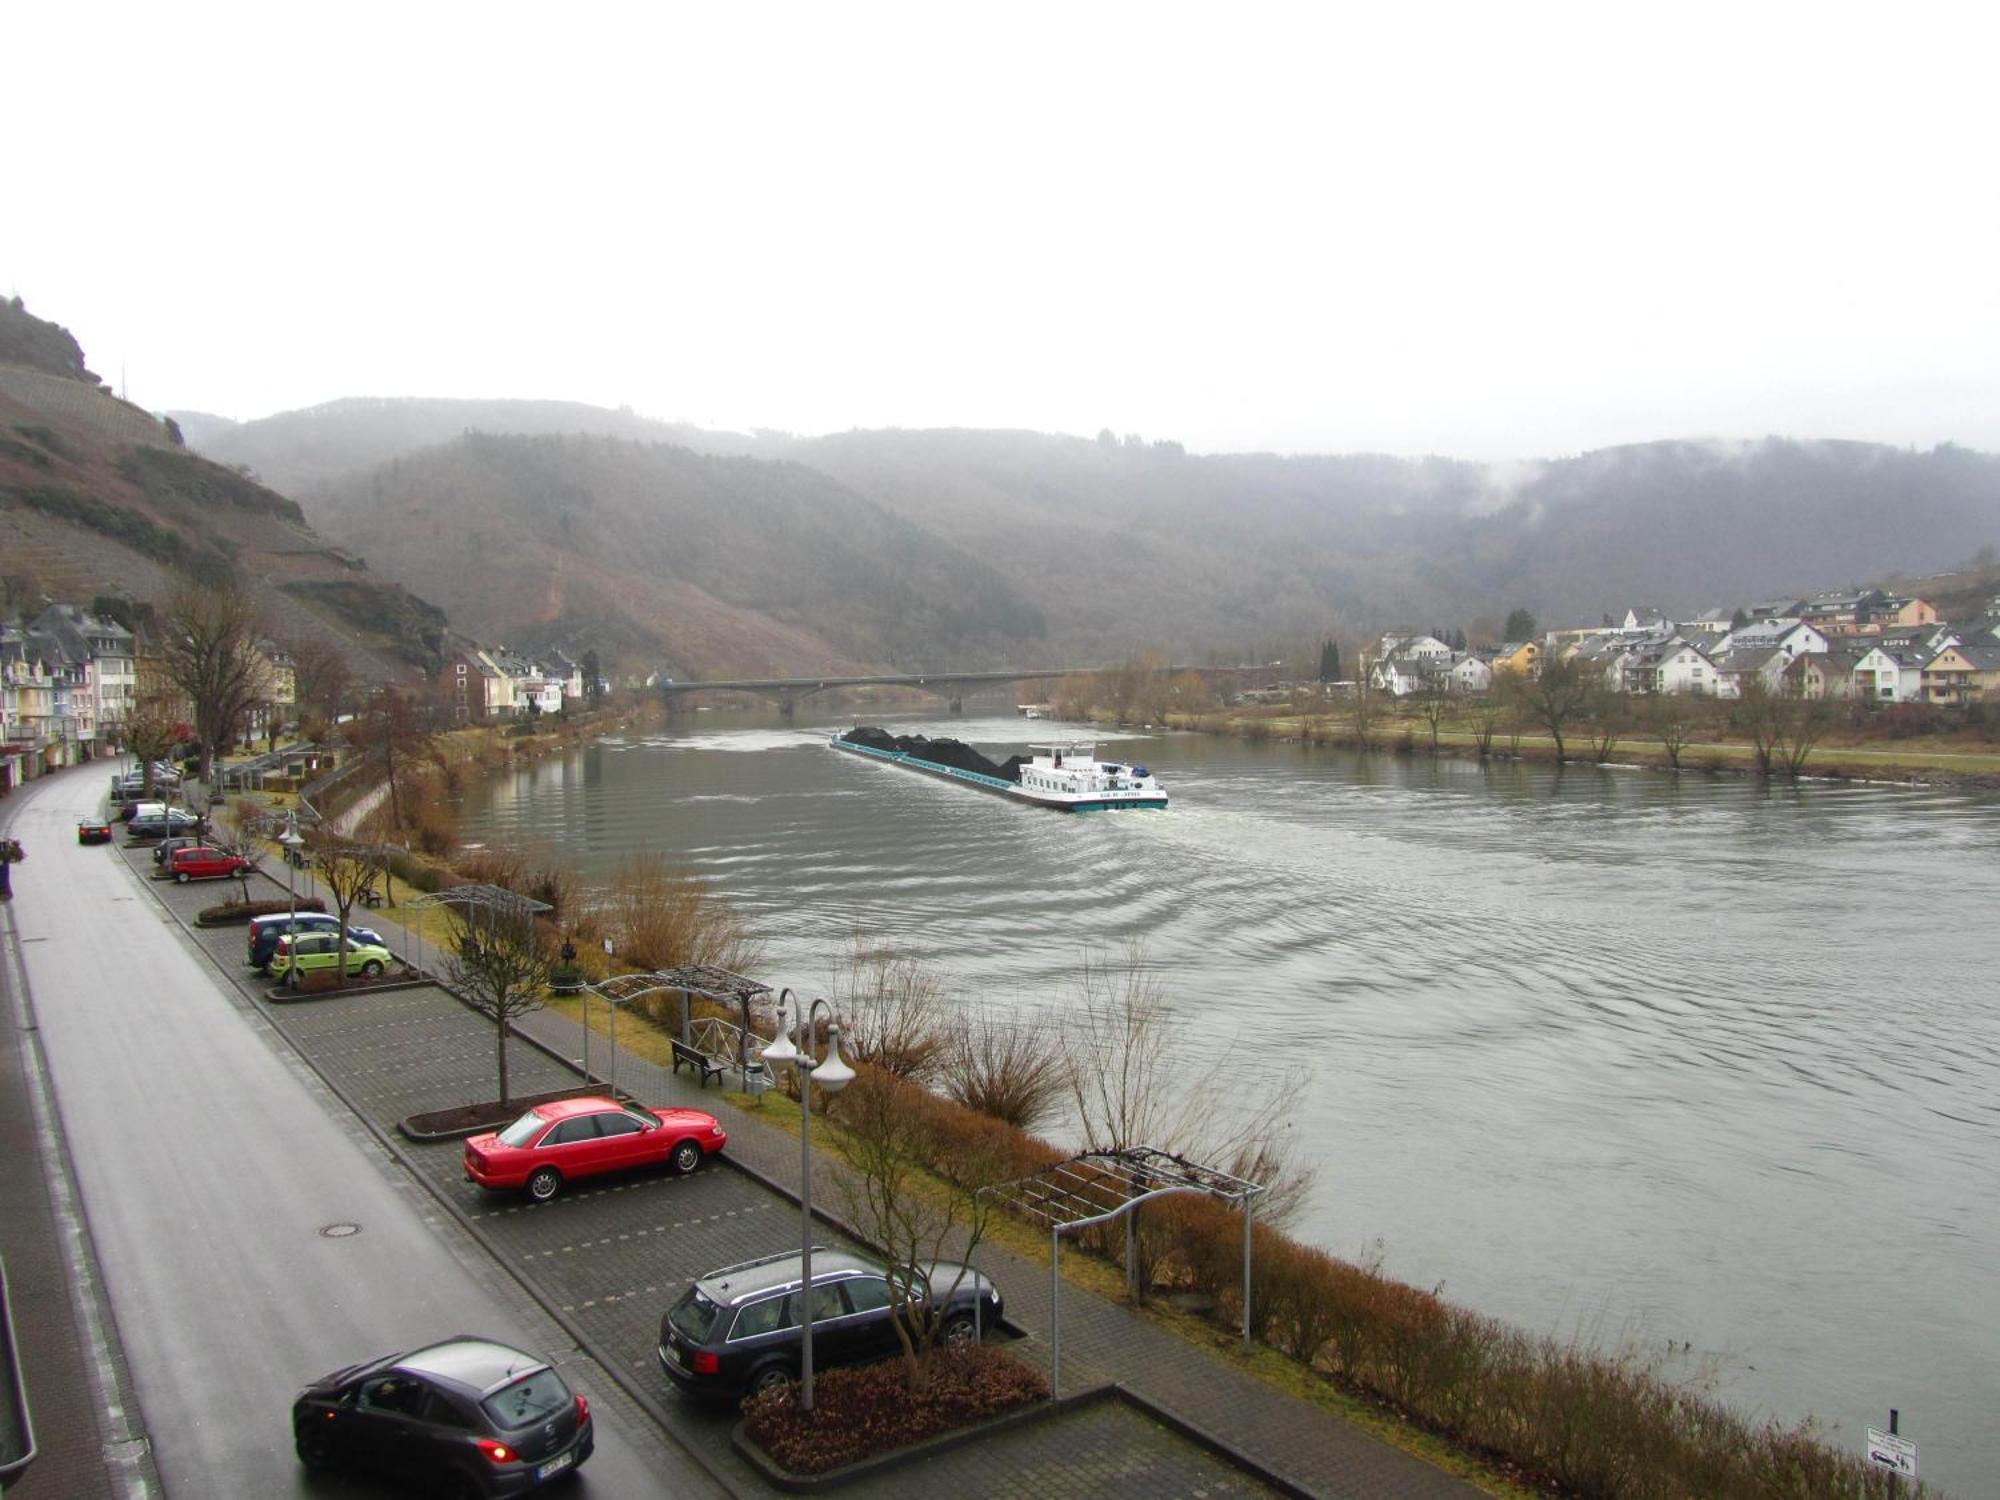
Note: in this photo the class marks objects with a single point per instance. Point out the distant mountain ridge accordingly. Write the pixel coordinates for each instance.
(906, 548)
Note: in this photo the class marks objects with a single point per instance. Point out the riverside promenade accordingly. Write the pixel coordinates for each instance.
(606, 1261)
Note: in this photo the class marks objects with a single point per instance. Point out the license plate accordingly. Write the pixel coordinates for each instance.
(554, 1466)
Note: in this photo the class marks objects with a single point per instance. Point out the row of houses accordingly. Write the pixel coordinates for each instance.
(482, 683)
(1867, 646)
(70, 682)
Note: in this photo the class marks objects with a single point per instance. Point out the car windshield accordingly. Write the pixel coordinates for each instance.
(522, 1130)
(542, 1394)
(693, 1317)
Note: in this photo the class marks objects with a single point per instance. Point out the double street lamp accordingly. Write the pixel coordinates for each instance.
(832, 1074)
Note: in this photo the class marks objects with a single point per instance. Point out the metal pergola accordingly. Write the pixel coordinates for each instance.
(471, 898)
(688, 980)
(1096, 1187)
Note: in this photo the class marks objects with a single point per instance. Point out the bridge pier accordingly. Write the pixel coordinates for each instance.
(958, 705)
(787, 706)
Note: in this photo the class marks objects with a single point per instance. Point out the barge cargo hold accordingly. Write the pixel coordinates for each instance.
(1066, 776)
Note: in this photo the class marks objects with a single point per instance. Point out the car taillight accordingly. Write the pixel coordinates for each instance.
(582, 1407)
(496, 1450)
(707, 1364)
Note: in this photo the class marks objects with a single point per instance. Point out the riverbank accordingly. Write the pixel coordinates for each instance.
(1901, 762)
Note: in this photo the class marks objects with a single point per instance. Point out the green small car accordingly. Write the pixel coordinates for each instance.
(318, 952)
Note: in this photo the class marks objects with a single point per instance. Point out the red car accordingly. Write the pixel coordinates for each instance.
(93, 831)
(569, 1138)
(202, 862)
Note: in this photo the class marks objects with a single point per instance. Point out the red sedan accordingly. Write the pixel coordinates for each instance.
(200, 862)
(568, 1138)
(93, 831)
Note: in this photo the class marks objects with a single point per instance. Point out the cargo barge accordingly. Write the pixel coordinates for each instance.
(1066, 775)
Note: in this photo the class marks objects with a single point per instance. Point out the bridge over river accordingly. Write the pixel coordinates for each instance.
(952, 686)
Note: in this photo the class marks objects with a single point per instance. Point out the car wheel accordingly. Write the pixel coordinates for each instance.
(370, 969)
(769, 1379)
(181, 876)
(544, 1183)
(687, 1156)
(958, 1329)
(315, 1452)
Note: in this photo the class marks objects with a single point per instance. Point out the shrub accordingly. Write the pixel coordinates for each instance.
(864, 1410)
(243, 911)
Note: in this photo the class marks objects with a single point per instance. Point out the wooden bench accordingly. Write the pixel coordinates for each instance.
(370, 896)
(701, 1062)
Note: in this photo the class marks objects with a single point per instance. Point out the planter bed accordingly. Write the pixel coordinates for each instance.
(284, 994)
(866, 1419)
(471, 1119)
(239, 913)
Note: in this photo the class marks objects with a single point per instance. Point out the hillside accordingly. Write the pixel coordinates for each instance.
(299, 452)
(97, 497)
(718, 566)
(1115, 546)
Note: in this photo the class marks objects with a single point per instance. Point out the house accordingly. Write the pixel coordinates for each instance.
(1788, 634)
(1775, 609)
(474, 685)
(1710, 626)
(1671, 665)
(1524, 657)
(1735, 668)
(1647, 620)
(1983, 686)
(1827, 675)
(1850, 613)
(1951, 676)
(1404, 675)
(1414, 647)
(1900, 609)
(109, 649)
(1470, 674)
(1885, 674)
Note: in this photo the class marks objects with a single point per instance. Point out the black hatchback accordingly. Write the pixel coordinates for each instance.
(737, 1329)
(463, 1418)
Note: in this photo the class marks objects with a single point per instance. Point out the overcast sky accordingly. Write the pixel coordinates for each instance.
(1481, 230)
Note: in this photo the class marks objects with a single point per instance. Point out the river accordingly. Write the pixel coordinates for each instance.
(1606, 1053)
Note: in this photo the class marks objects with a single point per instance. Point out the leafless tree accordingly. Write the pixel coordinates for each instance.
(1605, 714)
(395, 728)
(348, 870)
(901, 1208)
(321, 681)
(1673, 719)
(209, 635)
(1781, 723)
(1434, 704)
(498, 957)
(1559, 695)
(1004, 1066)
(1486, 710)
(662, 918)
(891, 1009)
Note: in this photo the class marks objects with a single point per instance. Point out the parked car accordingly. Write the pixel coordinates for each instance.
(163, 850)
(464, 1417)
(93, 831)
(266, 931)
(564, 1139)
(737, 1329)
(145, 827)
(306, 953)
(206, 862)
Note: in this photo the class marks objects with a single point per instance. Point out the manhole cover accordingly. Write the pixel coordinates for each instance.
(338, 1231)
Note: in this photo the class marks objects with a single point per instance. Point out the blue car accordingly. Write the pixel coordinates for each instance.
(265, 932)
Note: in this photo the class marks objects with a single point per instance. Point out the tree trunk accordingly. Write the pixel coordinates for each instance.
(501, 1027)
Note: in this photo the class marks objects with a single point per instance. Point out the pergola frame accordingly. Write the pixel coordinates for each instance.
(1095, 1187)
(476, 898)
(706, 980)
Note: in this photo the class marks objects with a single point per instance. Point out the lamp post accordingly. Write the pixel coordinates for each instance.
(608, 952)
(832, 1074)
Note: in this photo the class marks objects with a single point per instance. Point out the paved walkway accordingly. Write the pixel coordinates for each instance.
(391, 1054)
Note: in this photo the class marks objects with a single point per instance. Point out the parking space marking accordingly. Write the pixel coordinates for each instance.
(640, 1234)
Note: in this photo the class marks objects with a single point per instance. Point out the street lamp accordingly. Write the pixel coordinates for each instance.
(291, 842)
(832, 1075)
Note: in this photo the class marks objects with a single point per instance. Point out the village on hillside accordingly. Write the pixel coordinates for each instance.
(1864, 646)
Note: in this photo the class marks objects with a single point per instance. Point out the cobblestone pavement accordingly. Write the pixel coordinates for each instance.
(611, 1257)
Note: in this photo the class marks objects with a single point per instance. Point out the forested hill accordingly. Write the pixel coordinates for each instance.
(1110, 546)
(712, 565)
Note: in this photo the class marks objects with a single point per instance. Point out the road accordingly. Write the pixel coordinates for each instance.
(211, 1163)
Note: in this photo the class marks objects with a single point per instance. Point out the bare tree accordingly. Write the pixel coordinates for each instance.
(1673, 719)
(662, 918)
(1781, 723)
(899, 1207)
(891, 1008)
(321, 681)
(1487, 710)
(348, 870)
(1558, 695)
(498, 959)
(1005, 1067)
(395, 728)
(1604, 716)
(209, 637)
(1434, 703)
(156, 723)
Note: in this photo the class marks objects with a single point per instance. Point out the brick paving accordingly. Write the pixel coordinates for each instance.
(609, 1258)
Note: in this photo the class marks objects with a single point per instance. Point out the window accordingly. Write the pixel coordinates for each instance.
(571, 1131)
(542, 1394)
(393, 1393)
(868, 1294)
(826, 1303)
(618, 1124)
(760, 1318)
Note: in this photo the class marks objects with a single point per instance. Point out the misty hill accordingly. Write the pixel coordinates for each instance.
(1117, 545)
(715, 565)
(298, 451)
(97, 497)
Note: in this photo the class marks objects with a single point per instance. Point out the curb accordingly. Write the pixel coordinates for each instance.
(286, 996)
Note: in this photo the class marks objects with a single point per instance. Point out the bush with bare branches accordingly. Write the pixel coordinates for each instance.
(891, 1010)
(661, 918)
(1005, 1067)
